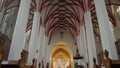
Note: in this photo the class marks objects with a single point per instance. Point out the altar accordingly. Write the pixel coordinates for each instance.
(61, 56)
(60, 63)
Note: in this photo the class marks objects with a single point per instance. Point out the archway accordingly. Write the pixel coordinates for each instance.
(61, 56)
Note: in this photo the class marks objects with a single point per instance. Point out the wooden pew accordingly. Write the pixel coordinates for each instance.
(115, 64)
(21, 63)
(9, 64)
(12, 64)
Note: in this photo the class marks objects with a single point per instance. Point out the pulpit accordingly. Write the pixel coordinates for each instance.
(78, 56)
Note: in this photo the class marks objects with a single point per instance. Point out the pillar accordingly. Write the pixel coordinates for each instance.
(19, 32)
(40, 45)
(45, 50)
(105, 29)
(82, 47)
(49, 47)
(32, 51)
(90, 38)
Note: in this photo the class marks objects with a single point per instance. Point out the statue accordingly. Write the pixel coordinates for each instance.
(107, 61)
(34, 63)
(22, 61)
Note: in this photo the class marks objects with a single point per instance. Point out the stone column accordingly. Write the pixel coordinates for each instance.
(44, 49)
(90, 38)
(82, 47)
(32, 51)
(48, 54)
(40, 44)
(20, 29)
(105, 29)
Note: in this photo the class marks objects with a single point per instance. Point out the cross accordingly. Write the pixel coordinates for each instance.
(61, 34)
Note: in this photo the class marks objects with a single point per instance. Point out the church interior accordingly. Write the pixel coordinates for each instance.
(59, 33)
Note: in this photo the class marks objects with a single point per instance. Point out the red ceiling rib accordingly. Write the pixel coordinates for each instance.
(61, 14)
(80, 3)
(34, 5)
(111, 17)
(58, 13)
(43, 2)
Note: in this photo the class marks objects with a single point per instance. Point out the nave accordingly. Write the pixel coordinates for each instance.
(60, 33)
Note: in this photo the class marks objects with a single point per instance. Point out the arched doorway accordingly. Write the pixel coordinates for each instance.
(61, 56)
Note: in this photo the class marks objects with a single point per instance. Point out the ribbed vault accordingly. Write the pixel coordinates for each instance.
(68, 15)
(62, 14)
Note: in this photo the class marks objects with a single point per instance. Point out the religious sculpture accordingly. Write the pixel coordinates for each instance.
(107, 61)
(22, 61)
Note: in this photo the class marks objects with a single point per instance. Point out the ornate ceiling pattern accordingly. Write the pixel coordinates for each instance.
(62, 14)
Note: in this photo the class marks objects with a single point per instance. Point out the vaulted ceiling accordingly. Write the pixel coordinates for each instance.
(62, 14)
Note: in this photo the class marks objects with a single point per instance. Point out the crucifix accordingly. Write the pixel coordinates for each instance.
(61, 34)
